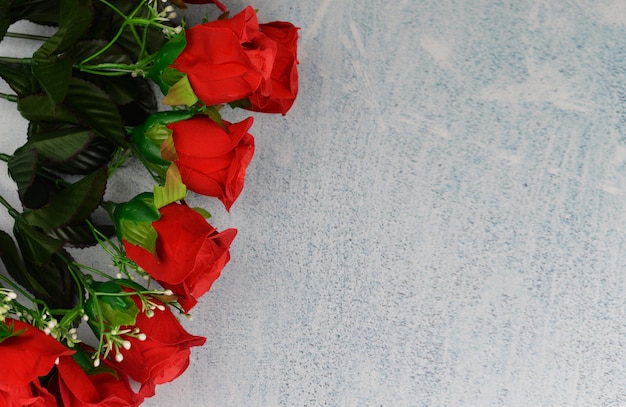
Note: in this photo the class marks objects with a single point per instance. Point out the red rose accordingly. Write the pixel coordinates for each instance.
(107, 387)
(227, 60)
(28, 354)
(284, 72)
(212, 160)
(163, 355)
(31, 394)
(191, 253)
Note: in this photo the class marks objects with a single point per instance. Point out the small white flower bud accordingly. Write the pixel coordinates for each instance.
(96, 362)
(168, 292)
(85, 317)
(119, 357)
(126, 345)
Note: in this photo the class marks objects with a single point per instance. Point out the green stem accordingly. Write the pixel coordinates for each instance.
(5, 157)
(14, 60)
(18, 289)
(93, 270)
(12, 211)
(27, 36)
(10, 98)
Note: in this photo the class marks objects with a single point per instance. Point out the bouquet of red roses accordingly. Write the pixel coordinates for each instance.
(88, 96)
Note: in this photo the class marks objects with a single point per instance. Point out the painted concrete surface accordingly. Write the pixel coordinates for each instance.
(440, 220)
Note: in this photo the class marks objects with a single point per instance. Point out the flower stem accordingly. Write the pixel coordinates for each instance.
(14, 213)
(18, 289)
(23, 61)
(10, 98)
(27, 36)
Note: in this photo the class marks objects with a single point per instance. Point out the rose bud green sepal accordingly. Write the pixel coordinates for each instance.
(133, 221)
(173, 83)
(149, 137)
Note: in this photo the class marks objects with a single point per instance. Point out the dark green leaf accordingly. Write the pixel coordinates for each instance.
(44, 12)
(41, 108)
(71, 205)
(96, 153)
(61, 145)
(74, 19)
(80, 235)
(9, 255)
(35, 245)
(22, 168)
(95, 109)
(20, 78)
(54, 76)
(5, 17)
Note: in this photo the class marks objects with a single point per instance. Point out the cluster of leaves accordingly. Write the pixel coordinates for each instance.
(77, 127)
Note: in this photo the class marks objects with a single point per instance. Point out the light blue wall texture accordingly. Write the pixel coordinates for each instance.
(440, 220)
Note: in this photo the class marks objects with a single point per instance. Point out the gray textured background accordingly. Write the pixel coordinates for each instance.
(438, 221)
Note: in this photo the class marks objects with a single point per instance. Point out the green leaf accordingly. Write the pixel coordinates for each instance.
(96, 153)
(5, 17)
(45, 12)
(61, 145)
(54, 76)
(80, 234)
(9, 255)
(20, 78)
(96, 110)
(41, 108)
(35, 245)
(73, 204)
(74, 19)
(52, 282)
(22, 168)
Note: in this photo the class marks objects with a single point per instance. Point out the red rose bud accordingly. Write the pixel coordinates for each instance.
(284, 71)
(160, 353)
(26, 353)
(212, 160)
(190, 253)
(225, 61)
(81, 385)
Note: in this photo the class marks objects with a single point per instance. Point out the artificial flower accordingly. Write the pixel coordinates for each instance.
(106, 386)
(284, 72)
(31, 394)
(228, 60)
(190, 253)
(212, 160)
(163, 354)
(26, 353)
